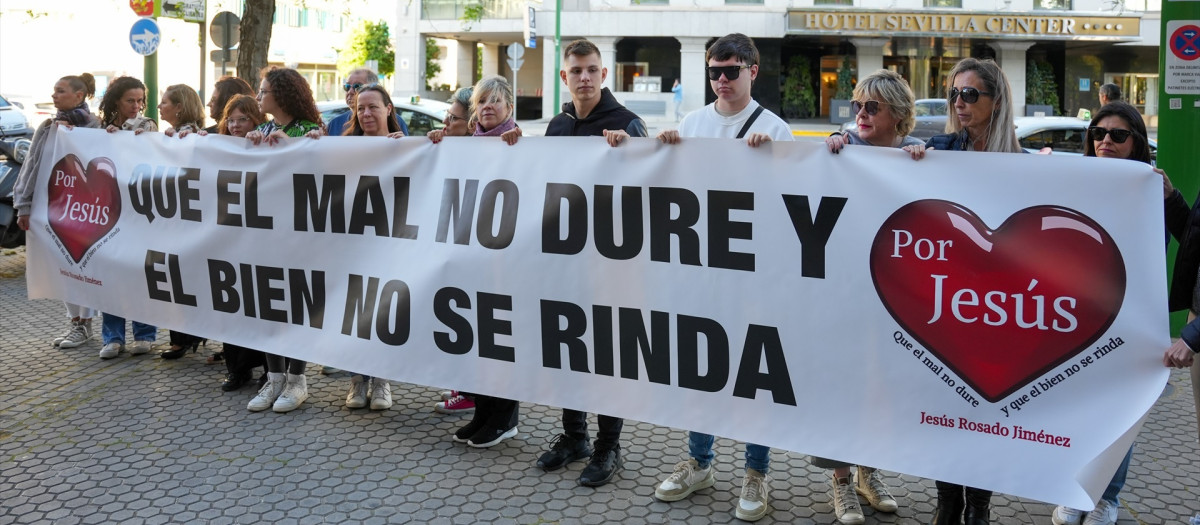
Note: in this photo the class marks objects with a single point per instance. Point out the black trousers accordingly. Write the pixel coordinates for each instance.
(241, 361)
(183, 340)
(496, 412)
(575, 426)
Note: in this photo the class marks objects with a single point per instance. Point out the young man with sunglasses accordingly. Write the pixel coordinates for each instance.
(355, 81)
(592, 111)
(732, 66)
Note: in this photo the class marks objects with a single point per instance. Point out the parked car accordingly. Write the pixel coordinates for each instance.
(420, 115)
(930, 114)
(35, 112)
(1063, 135)
(12, 121)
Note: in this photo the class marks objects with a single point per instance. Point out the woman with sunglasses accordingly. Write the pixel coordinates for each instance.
(458, 119)
(372, 115)
(1118, 132)
(980, 119)
(355, 82)
(883, 108)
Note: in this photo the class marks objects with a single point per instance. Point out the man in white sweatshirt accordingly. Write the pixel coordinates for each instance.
(732, 66)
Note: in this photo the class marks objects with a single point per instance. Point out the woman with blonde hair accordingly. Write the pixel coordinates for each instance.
(182, 109)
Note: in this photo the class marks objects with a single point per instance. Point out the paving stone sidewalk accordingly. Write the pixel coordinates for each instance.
(143, 440)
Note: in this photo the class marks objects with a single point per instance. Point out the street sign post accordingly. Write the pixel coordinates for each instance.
(144, 36)
(515, 52)
(530, 27)
(225, 31)
(1179, 110)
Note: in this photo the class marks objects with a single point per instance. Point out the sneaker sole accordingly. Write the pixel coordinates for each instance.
(356, 405)
(380, 407)
(286, 409)
(72, 344)
(438, 408)
(511, 433)
(879, 506)
(746, 516)
(703, 484)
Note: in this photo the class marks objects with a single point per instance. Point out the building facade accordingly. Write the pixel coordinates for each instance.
(1066, 48)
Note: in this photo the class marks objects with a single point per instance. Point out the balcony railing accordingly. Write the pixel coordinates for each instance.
(454, 9)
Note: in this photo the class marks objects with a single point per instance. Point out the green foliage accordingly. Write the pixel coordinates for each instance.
(472, 14)
(1040, 86)
(432, 67)
(369, 41)
(799, 97)
(845, 80)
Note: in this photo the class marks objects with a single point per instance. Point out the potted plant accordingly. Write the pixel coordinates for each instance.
(1041, 91)
(799, 98)
(839, 106)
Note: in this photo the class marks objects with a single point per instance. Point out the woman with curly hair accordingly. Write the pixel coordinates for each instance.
(122, 105)
(286, 96)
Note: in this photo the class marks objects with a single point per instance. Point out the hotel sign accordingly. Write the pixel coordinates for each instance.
(955, 24)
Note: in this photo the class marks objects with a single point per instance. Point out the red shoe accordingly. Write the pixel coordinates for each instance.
(455, 405)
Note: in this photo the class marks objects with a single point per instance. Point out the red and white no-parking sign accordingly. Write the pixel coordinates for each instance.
(1182, 73)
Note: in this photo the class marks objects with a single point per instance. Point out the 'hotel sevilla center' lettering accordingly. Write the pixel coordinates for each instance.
(986, 25)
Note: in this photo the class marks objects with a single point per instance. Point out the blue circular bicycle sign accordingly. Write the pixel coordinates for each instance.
(144, 36)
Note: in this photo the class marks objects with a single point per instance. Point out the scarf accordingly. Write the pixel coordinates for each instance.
(79, 116)
(496, 131)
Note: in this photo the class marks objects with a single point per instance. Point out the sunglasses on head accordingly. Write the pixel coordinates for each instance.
(1119, 136)
(872, 106)
(730, 72)
(356, 86)
(969, 95)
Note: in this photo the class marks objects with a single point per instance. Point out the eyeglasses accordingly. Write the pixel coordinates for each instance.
(262, 92)
(872, 106)
(452, 117)
(1119, 136)
(730, 72)
(970, 95)
(356, 86)
(239, 121)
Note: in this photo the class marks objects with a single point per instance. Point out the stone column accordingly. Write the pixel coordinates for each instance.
(869, 52)
(691, 73)
(1011, 57)
(608, 53)
(464, 66)
(409, 77)
(491, 59)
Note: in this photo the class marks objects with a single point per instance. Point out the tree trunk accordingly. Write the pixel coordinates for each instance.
(256, 39)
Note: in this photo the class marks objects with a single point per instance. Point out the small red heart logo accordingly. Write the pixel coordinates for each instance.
(999, 308)
(84, 204)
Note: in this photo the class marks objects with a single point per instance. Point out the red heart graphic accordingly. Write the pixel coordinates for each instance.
(84, 204)
(999, 308)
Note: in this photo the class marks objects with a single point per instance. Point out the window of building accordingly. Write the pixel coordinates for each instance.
(660, 2)
(833, 2)
(1052, 5)
(743, 2)
(943, 3)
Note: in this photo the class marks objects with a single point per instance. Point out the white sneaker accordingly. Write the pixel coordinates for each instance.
(845, 501)
(357, 396)
(687, 478)
(381, 394)
(1105, 513)
(294, 393)
(268, 393)
(110, 350)
(753, 504)
(1066, 516)
(871, 487)
(139, 348)
(79, 333)
(447, 394)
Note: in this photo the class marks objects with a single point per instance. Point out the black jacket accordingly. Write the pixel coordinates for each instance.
(608, 114)
(1183, 222)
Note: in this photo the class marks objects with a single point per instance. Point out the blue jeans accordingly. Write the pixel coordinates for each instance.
(700, 446)
(1118, 480)
(114, 330)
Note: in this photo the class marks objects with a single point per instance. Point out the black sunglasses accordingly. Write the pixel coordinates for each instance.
(970, 95)
(1119, 136)
(348, 86)
(872, 107)
(730, 72)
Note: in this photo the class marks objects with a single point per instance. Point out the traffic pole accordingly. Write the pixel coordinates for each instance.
(1178, 110)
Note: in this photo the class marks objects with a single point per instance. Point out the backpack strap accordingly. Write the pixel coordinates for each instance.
(750, 121)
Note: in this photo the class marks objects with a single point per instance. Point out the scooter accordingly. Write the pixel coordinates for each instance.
(14, 152)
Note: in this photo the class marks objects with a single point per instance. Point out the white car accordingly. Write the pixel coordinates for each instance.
(930, 115)
(12, 121)
(420, 115)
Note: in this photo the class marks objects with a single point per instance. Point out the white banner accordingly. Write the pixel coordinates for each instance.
(995, 320)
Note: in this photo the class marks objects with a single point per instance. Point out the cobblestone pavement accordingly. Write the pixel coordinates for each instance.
(143, 440)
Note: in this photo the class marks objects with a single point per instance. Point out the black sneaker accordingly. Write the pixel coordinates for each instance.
(464, 434)
(234, 381)
(605, 464)
(564, 449)
(489, 436)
